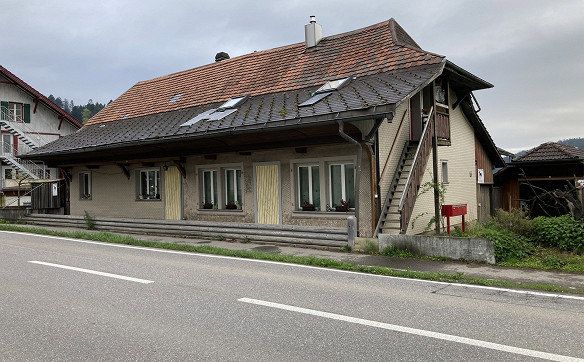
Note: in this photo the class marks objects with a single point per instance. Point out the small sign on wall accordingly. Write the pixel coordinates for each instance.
(481, 176)
(55, 189)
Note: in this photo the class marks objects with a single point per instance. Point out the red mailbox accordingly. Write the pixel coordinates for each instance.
(453, 210)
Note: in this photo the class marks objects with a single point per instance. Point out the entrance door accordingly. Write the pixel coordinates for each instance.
(267, 193)
(172, 194)
(484, 203)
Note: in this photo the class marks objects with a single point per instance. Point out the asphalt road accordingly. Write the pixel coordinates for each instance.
(65, 299)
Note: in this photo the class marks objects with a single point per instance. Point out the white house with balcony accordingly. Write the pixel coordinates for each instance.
(28, 120)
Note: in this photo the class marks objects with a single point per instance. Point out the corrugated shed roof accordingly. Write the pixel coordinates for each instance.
(551, 151)
(378, 48)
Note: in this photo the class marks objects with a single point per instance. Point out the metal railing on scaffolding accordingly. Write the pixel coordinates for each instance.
(15, 124)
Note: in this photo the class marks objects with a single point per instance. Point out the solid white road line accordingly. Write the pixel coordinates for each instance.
(88, 271)
(506, 290)
(419, 332)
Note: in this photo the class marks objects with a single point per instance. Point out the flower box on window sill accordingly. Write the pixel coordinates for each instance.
(232, 206)
(85, 197)
(149, 198)
(306, 206)
(342, 207)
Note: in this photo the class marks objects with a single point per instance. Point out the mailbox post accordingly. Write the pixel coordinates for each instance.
(454, 210)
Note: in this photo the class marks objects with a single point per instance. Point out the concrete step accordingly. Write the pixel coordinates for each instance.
(304, 236)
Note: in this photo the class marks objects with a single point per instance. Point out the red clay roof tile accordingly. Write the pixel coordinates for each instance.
(365, 51)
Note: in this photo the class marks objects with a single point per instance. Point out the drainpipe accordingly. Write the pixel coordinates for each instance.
(359, 157)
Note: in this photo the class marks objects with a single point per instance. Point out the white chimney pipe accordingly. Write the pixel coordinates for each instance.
(312, 32)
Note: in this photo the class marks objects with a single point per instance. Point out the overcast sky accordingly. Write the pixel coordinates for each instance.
(532, 51)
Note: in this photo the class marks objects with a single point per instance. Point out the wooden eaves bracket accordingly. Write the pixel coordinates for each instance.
(125, 170)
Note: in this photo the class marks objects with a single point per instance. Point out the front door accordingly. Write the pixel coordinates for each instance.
(267, 193)
(172, 194)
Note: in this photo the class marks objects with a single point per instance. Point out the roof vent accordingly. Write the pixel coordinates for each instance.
(312, 32)
(221, 56)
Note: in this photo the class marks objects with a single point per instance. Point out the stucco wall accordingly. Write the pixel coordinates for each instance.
(287, 159)
(462, 186)
(387, 134)
(114, 195)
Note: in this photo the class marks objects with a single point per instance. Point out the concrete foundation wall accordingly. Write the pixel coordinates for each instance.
(472, 249)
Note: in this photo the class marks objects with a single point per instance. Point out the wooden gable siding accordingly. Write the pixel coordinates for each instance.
(483, 161)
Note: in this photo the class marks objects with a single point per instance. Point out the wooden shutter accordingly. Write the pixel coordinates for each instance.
(26, 112)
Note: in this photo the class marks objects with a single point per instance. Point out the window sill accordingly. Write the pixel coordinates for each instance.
(85, 199)
(148, 200)
(220, 212)
(321, 214)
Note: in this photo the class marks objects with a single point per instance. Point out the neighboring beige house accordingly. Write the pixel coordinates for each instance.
(28, 120)
(306, 134)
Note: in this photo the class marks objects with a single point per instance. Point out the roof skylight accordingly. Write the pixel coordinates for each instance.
(324, 91)
(213, 114)
(175, 98)
(332, 85)
(232, 103)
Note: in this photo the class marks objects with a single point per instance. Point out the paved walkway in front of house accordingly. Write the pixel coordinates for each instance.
(570, 280)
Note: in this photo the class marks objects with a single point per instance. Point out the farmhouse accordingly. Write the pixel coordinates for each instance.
(306, 134)
(28, 120)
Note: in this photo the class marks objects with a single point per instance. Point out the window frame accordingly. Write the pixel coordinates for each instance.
(310, 167)
(12, 107)
(343, 182)
(444, 180)
(11, 173)
(157, 184)
(82, 194)
(235, 184)
(214, 181)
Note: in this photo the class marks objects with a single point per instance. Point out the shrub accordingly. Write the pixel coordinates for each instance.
(562, 232)
(507, 244)
(515, 221)
(89, 222)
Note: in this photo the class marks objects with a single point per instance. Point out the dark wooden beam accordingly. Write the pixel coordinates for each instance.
(36, 104)
(60, 121)
(180, 164)
(125, 170)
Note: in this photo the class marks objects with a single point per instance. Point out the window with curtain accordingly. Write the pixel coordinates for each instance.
(233, 191)
(308, 188)
(342, 186)
(149, 184)
(209, 189)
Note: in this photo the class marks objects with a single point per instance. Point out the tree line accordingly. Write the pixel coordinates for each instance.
(80, 112)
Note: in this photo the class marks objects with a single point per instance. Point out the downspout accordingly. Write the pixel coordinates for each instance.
(359, 157)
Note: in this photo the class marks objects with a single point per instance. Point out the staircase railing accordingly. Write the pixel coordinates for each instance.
(391, 189)
(33, 169)
(408, 199)
(21, 127)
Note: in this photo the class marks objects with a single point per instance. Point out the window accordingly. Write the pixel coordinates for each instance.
(233, 193)
(210, 200)
(444, 171)
(308, 188)
(15, 112)
(8, 174)
(342, 186)
(149, 184)
(7, 144)
(325, 91)
(85, 185)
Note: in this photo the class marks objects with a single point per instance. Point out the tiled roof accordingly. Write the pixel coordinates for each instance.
(257, 112)
(38, 95)
(379, 48)
(551, 151)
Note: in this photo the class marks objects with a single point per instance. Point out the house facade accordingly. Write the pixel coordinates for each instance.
(28, 120)
(306, 134)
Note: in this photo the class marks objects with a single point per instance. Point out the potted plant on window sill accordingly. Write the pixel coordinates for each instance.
(231, 206)
(207, 205)
(342, 207)
(307, 206)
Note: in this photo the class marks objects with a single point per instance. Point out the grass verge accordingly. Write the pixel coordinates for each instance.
(293, 259)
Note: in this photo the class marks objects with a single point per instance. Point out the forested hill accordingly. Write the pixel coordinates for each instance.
(81, 112)
(575, 142)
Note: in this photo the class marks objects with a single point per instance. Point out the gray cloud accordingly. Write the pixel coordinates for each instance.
(531, 50)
